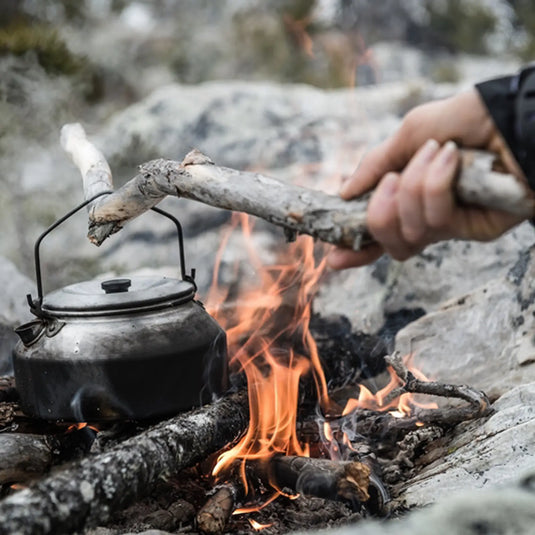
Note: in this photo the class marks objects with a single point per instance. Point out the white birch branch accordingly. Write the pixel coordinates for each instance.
(298, 210)
(96, 173)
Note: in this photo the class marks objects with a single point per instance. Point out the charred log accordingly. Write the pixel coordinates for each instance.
(90, 491)
(214, 515)
(323, 478)
(24, 456)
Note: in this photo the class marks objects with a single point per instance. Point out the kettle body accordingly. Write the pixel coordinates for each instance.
(136, 348)
(132, 364)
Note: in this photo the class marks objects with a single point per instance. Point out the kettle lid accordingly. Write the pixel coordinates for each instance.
(115, 296)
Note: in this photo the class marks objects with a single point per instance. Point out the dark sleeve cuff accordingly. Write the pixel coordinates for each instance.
(499, 98)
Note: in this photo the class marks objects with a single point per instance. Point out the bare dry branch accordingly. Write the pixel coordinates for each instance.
(297, 210)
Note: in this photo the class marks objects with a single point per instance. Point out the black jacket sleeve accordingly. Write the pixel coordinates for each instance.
(501, 97)
(499, 100)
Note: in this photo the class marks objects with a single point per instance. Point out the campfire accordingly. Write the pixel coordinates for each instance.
(309, 433)
(309, 436)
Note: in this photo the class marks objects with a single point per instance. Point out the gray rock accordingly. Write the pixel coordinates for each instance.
(480, 455)
(483, 337)
(268, 126)
(440, 273)
(505, 511)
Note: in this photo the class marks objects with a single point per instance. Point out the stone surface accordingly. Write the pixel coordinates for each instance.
(483, 337)
(241, 124)
(504, 511)
(441, 272)
(481, 454)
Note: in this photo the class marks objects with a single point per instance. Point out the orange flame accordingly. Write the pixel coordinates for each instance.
(399, 406)
(262, 342)
(257, 526)
(80, 425)
(269, 340)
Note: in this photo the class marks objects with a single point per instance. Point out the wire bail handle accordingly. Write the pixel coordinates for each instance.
(35, 305)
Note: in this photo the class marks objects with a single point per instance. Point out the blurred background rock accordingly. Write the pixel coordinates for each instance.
(110, 64)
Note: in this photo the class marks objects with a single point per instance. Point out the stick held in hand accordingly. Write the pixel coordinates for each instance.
(296, 209)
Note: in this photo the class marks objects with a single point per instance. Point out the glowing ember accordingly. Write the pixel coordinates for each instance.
(80, 425)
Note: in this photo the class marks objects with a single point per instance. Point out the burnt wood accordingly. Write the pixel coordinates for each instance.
(213, 516)
(25, 456)
(323, 478)
(87, 493)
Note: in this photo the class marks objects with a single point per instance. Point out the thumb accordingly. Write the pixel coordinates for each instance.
(386, 157)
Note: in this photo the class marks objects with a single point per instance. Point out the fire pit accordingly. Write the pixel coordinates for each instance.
(293, 466)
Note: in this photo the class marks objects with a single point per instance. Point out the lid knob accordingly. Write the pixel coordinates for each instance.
(114, 286)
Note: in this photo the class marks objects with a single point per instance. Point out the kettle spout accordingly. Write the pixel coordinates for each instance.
(30, 332)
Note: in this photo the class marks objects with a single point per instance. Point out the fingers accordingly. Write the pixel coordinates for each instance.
(415, 208)
(438, 196)
(383, 218)
(463, 118)
(346, 258)
(387, 156)
(411, 193)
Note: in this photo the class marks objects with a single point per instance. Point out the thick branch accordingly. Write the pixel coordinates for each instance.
(317, 477)
(91, 490)
(296, 209)
(25, 456)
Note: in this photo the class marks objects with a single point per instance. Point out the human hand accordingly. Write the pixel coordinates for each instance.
(414, 172)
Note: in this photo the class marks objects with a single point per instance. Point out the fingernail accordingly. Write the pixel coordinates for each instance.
(448, 152)
(429, 150)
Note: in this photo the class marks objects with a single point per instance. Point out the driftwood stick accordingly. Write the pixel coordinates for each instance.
(93, 166)
(214, 514)
(96, 173)
(295, 209)
(90, 491)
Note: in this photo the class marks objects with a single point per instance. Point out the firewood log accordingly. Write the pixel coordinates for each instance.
(214, 514)
(87, 493)
(25, 456)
